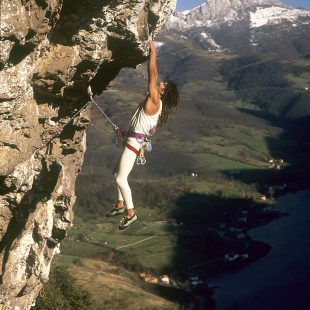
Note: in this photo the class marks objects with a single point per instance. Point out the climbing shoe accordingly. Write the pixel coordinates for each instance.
(127, 221)
(116, 211)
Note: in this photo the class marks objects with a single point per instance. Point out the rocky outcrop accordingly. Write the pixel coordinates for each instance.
(50, 50)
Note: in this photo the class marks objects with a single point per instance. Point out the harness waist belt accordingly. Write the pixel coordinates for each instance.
(136, 135)
(130, 147)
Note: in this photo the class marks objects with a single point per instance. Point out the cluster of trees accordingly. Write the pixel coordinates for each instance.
(261, 82)
(62, 291)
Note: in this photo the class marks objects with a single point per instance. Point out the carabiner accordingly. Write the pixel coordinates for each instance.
(141, 161)
(141, 158)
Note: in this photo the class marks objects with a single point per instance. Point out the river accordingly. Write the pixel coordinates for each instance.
(281, 279)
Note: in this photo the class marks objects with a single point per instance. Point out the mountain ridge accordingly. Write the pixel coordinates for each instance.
(215, 12)
(245, 27)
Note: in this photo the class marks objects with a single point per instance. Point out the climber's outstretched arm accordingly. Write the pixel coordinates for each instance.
(152, 103)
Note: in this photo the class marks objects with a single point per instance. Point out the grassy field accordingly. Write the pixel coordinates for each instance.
(113, 287)
(300, 77)
(300, 81)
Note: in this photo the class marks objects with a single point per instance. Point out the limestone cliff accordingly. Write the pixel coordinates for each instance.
(50, 50)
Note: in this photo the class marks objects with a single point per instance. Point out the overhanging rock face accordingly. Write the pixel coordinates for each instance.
(50, 50)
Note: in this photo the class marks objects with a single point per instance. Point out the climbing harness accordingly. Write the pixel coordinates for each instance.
(132, 148)
(123, 135)
(145, 146)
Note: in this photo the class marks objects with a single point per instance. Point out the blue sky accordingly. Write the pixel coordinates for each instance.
(189, 4)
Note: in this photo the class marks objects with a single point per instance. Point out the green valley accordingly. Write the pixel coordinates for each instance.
(222, 152)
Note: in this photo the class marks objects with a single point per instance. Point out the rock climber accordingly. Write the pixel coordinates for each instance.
(151, 114)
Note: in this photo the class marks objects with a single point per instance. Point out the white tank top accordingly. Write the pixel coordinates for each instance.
(145, 124)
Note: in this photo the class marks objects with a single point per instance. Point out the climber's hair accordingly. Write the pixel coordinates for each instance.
(170, 98)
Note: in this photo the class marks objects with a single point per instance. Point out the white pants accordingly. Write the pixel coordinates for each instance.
(122, 171)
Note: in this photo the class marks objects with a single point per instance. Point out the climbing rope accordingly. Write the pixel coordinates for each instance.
(90, 94)
(46, 143)
(119, 134)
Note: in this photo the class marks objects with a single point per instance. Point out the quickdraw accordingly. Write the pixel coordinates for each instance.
(141, 158)
(118, 132)
(147, 146)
